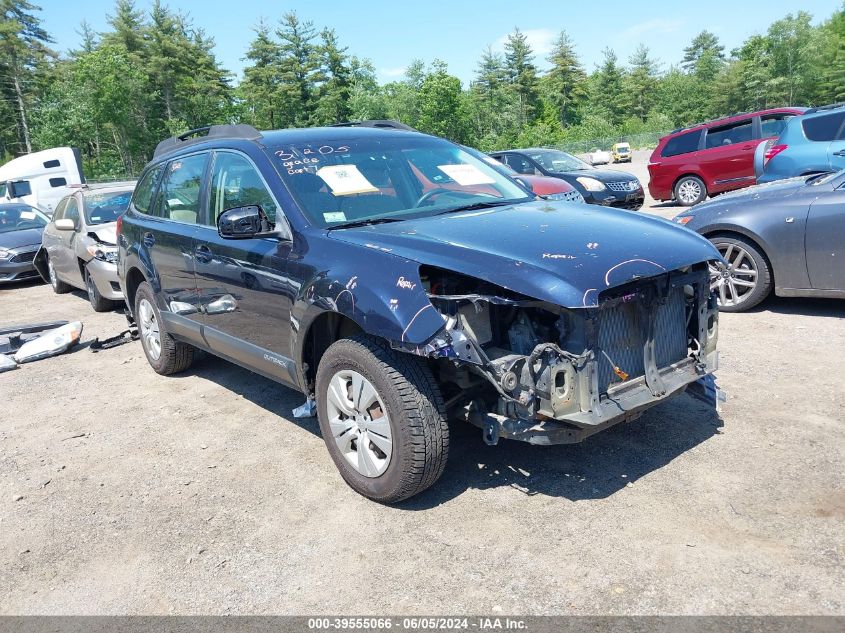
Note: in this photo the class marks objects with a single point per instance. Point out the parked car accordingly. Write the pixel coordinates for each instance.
(20, 237)
(41, 179)
(810, 144)
(787, 236)
(543, 186)
(709, 158)
(599, 156)
(621, 153)
(79, 246)
(606, 187)
(398, 280)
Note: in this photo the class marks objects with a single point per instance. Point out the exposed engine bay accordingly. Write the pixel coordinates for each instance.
(530, 370)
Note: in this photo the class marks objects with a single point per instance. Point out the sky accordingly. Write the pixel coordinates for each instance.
(393, 33)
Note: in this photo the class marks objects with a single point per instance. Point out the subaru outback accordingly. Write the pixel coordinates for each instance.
(399, 281)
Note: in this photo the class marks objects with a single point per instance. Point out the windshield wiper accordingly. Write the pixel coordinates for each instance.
(478, 205)
(367, 222)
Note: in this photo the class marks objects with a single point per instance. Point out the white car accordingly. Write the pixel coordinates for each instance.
(598, 157)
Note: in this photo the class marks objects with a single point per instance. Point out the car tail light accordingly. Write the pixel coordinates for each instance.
(773, 151)
(119, 224)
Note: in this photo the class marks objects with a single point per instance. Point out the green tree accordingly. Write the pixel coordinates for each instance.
(521, 75)
(334, 92)
(791, 51)
(299, 66)
(565, 85)
(641, 82)
(704, 57)
(440, 104)
(608, 89)
(22, 50)
(259, 89)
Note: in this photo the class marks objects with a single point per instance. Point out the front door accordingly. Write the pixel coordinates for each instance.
(825, 241)
(244, 290)
(65, 261)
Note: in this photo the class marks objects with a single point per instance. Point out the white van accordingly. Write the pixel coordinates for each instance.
(41, 179)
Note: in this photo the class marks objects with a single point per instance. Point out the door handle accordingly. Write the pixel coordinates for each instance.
(747, 147)
(203, 254)
(841, 152)
(148, 239)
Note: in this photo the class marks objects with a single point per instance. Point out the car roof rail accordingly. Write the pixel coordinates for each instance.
(385, 124)
(201, 134)
(829, 106)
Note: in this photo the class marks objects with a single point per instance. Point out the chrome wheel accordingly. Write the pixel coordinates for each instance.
(359, 423)
(150, 333)
(689, 191)
(51, 271)
(735, 282)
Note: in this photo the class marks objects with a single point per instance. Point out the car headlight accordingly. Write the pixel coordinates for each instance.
(5, 253)
(103, 253)
(591, 184)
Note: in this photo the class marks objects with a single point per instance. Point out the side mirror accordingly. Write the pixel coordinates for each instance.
(65, 224)
(243, 223)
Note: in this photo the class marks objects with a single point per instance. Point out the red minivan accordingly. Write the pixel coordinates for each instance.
(692, 163)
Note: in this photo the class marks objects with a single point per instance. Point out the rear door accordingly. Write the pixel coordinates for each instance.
(168, 235)
(825, 241)
(727, 161)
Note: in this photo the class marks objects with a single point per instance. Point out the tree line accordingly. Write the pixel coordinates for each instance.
(154, 74)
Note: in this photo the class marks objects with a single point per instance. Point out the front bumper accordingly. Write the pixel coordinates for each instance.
(632, 200)
(18, 267)
(105, 278)
(621, 404)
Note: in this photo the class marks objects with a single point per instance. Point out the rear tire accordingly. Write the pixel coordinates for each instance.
(98, 301)
(689, 191)
(58, 286)
(404, 391)
(164, 353)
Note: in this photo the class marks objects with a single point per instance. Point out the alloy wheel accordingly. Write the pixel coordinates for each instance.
(89, 285)
(689, 191)
(359, 423)
(150, 333)
(736, 281)
(51, 271)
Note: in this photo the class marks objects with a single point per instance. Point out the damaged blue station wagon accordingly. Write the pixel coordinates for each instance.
(399, 281)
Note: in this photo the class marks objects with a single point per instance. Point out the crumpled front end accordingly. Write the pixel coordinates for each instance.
(529, 370)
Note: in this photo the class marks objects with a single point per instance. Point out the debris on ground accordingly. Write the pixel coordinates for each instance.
(50, 343)
(306, 410)
(127, 336)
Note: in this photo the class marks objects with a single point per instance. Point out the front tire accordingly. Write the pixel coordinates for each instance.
(383, 419)
(690, 190)
(747, 279)
(165, 354)
(58, 286)
(98, 301)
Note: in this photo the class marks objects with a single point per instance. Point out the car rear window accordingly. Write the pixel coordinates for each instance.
(825, 127)
(682, 144)
(738, 132)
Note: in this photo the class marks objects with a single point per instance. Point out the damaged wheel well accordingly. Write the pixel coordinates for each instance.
(323, 331)
(134, 278)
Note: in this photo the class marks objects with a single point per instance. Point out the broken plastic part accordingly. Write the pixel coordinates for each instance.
(50, 343)
(7, 363)
(307, 410)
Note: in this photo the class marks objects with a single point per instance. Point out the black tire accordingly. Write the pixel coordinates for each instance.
(684, 189)
(764, 281)
(98, 301)
(58, 286)
(415, 410)
(175, 356)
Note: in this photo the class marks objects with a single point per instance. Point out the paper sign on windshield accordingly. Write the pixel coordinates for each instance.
(27, 215)
(345, 180)
(466, 175)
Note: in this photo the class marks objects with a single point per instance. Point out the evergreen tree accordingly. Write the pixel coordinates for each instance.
(641, 82)
(440, 99)
(333, 94)
(259, 89)
(565, 83)
(521, 75)
(299, 66)
(704, 57)
(608, 91)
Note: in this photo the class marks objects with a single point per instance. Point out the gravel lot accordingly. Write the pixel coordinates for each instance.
(123, 492)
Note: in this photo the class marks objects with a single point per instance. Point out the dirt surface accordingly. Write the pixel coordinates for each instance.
(123, 492)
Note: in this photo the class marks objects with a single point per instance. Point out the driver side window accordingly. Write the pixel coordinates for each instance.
(235, 182)
(519, 164)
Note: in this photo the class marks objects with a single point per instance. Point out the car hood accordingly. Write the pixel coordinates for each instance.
(779, 189)
(604, 175)
(24, 237)
(563, 253)
(106, 233)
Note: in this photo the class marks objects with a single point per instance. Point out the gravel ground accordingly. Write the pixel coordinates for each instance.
(123, 492)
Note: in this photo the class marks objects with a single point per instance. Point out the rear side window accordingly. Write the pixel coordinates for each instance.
(179, 194)
(827, 127)
(682, 144)
(739, 132)
(49, 164)
(58, 182)
(772, 125)
(144, 191)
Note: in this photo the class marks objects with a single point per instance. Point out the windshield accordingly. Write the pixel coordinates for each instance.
(101, 207)
(556, 161)
(18, 217)
(388, 178)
